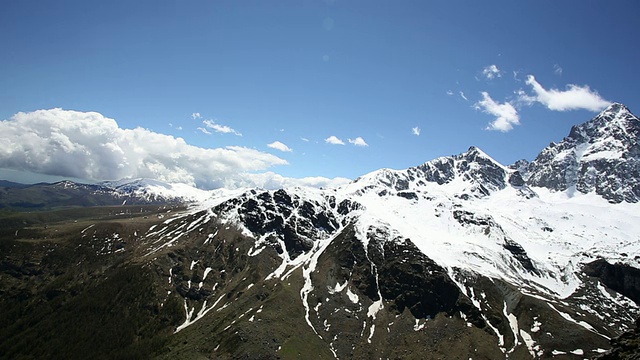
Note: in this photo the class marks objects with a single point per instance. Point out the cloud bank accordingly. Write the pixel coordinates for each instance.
(574, 98)
(87, 145)
(506, 115)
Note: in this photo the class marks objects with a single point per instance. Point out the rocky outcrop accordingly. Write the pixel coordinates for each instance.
(619, 277)
(625, 346)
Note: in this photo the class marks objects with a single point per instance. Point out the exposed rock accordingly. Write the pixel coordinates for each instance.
(601, 156)
(625, 347)
(520, 254)
(619, 277)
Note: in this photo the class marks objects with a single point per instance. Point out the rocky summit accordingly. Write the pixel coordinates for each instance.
(601, 156)
(458, 258)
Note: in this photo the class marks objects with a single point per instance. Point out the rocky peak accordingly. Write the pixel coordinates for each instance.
(601, 155)
(521, 167)
(471, 173)
(474, 153)
(614, 109)
(615, 121)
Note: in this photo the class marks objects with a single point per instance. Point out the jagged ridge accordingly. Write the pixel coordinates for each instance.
(601, 156)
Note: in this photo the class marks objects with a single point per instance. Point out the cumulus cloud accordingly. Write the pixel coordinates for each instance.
(87, 145)
(415, 131)
(462, 96)
(506, 115)
(491, 72)
(210, 124)
(359, 141)
(573, 98)
(449, 92)
(333, 140)
(196, 115)
(279, 146)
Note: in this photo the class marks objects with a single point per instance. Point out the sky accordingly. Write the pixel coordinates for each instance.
(286, 93)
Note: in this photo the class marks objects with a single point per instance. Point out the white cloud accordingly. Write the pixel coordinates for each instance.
(575, 97)
(449, 92)
(333, 140)
(220, 128)
(506, 115)
(196, 115)
(279, 146)
(205, 131)
(462, 96)
(415, 131)
(304, 139)
(491, 72)
(87, 145)
(557, 69)
(359, 141)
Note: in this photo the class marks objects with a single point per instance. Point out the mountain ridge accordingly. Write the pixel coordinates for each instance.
(459, 257)
(619, 140)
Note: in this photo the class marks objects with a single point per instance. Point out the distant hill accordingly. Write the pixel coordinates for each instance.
(45, 196)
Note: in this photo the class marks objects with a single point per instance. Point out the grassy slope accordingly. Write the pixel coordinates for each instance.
(61, 299)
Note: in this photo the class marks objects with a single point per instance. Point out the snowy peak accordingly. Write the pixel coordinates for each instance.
(615, 109)
(473, 173)
(470, 174)
(476, 154)
(614, 124)
(154, 190)
(601, 155)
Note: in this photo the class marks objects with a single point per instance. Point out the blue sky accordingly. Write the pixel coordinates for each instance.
(238, 76)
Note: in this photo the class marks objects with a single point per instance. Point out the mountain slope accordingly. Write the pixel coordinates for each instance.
(460, 257)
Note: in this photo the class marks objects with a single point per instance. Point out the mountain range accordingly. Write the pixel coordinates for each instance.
(458, 258)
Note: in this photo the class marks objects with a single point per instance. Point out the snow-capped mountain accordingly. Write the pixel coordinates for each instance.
(510, 251)
(460, 257)
(601, 156)
(154, 190)
(470, 174)
(131, 192)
